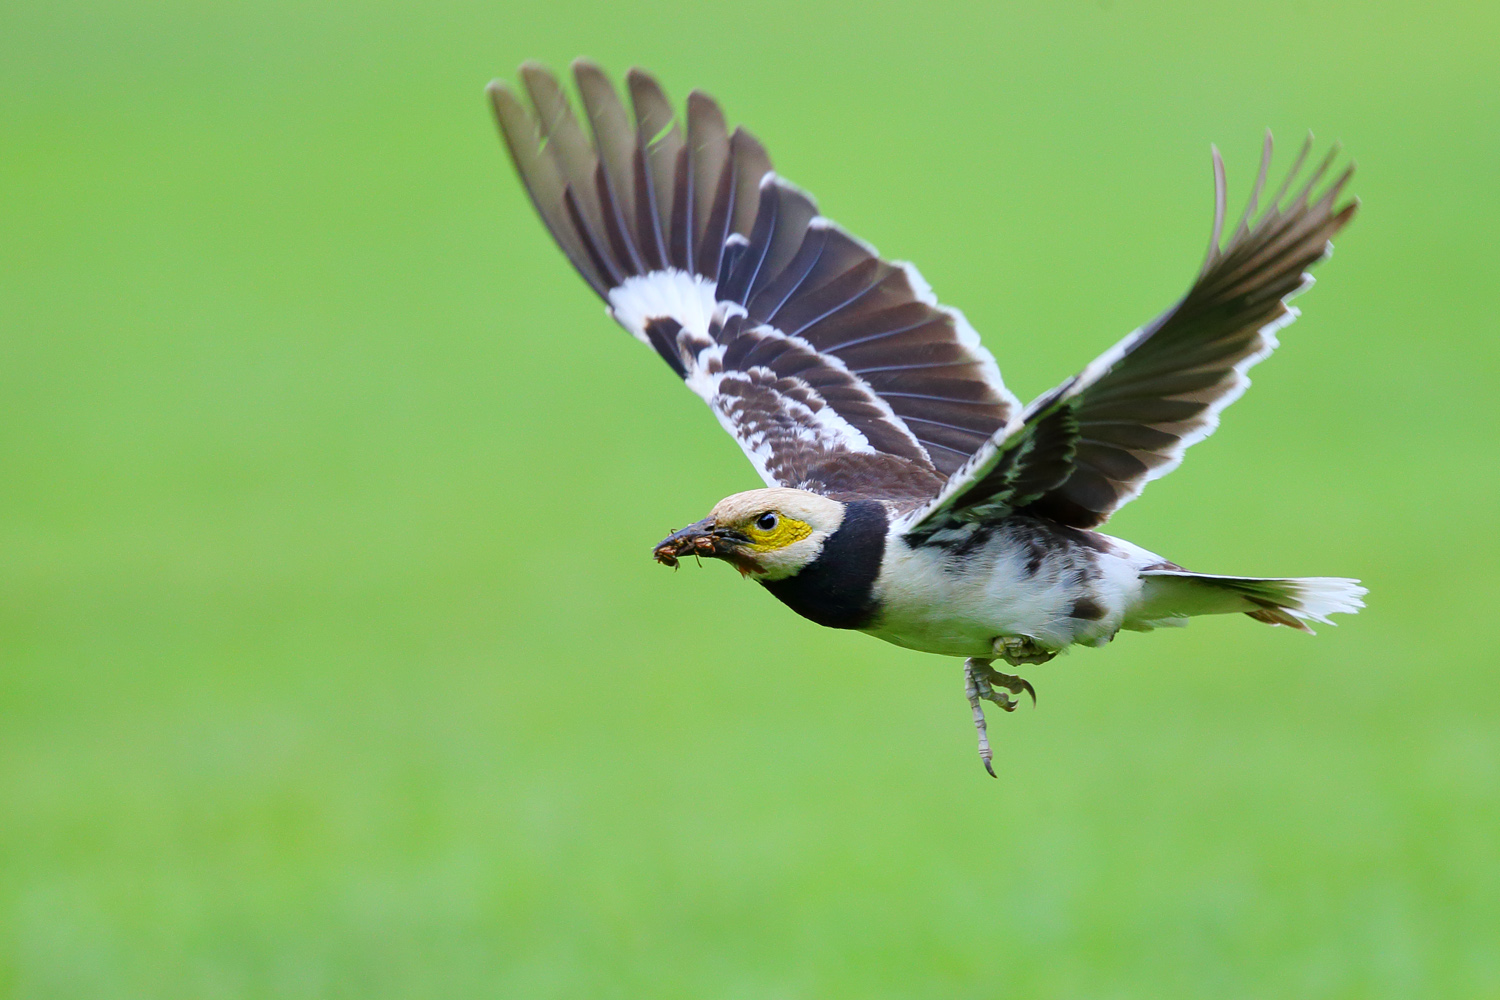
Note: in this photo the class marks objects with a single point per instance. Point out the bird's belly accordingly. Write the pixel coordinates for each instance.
(933, 600)
(964, 619)
(946, 638)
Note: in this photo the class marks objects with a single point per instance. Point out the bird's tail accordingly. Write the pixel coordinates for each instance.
(1176, 594)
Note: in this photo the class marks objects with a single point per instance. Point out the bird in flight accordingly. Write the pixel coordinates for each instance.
(909, 494)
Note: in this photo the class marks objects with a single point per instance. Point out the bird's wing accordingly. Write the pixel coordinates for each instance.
(1089, 446)
(835, 370)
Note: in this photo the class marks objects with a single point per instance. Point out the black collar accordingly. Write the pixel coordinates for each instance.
(837, 588)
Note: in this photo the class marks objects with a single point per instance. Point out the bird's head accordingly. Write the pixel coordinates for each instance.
(770, 534)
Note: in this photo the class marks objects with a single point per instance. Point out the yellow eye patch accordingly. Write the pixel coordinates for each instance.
(787, 531)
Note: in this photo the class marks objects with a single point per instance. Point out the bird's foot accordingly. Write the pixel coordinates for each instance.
(987, 678)
(980, 681)
(1019, 649)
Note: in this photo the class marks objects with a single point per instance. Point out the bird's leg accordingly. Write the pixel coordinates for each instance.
(975, 688)
(980, 681)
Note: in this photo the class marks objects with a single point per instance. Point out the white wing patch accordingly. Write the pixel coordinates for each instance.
(687, 298)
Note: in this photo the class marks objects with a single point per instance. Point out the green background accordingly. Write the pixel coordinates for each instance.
(332, 659)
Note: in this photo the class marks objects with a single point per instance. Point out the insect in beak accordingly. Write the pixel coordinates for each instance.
(703, 538)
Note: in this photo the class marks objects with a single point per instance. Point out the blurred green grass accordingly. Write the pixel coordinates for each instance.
(332, 662)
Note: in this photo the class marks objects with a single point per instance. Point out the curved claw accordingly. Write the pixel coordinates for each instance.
(1011, 683)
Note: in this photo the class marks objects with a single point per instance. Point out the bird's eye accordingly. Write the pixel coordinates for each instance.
(767, 521)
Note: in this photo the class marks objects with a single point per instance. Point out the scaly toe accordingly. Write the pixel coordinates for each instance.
(986, 679)
(1003, 700)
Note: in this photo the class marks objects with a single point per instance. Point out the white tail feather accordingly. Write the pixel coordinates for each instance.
(1276, 601)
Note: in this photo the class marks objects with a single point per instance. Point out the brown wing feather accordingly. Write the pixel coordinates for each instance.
(1128, 418)
(836, 370)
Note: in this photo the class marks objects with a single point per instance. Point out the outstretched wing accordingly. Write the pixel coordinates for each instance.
(1092, 444)
(836, 371)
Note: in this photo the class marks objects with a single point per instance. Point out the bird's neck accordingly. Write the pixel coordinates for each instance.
(837, 588)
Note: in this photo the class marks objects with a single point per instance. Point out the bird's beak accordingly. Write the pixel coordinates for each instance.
(705, 538)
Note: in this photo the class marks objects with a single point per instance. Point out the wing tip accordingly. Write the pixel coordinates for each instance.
(533, 69)
(583, 64)
(1221, 198)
